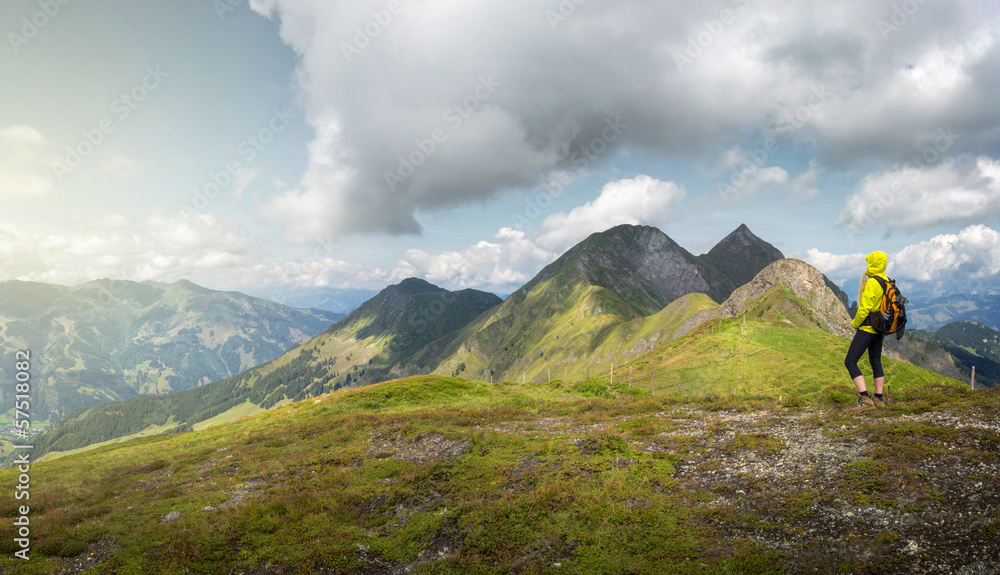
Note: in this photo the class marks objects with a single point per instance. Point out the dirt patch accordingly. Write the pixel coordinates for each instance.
(545, 426)
(545, 553)
(446, 542)
(95, 554)
(374, 505)
(421, 449)
(525, 476)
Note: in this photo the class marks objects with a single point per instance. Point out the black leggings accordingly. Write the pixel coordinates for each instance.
(865, 341)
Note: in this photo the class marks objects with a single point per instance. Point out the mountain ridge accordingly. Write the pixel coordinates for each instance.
(741, 255)
(970, 344)
(584, 311)
(113, 339)
(806, 282)
(361, 348)
(572, 306)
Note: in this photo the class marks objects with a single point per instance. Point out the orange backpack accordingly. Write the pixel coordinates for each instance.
(890, 316)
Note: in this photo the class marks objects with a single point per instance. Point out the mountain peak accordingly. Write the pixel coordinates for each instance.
(742, 236)
(646, 268)
(822, 307)
(413, 286)
(648, 237)
(190, 286)
(630, 230)
(741, 255)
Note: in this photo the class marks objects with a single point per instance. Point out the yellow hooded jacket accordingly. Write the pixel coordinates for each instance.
(871, 297)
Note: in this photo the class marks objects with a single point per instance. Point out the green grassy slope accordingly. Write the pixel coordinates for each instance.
(775, 347)
(555, 325)
(567, 335)
(601, 301)
(362, 348)
(445, 475)
(762, 359)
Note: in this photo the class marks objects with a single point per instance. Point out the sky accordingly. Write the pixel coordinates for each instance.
(285, 143)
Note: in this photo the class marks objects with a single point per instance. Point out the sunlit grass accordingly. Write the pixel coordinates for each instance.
(574, 473)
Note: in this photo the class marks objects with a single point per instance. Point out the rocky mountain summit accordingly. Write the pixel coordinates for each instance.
(741, 254)
(818, 305)
(579, 307)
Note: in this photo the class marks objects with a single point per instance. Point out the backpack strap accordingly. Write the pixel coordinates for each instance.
(882, 283)
(885, 287)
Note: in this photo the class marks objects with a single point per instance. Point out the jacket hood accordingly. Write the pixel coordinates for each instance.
(876, 263)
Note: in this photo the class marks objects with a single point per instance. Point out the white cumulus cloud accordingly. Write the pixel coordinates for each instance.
(639, 200)
(965, 261)
(154, 247)
(838, 267)
(505, 263)
(513, 257)
(916, 197)
(973, 253)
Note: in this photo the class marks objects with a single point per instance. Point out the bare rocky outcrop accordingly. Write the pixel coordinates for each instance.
(802, 279)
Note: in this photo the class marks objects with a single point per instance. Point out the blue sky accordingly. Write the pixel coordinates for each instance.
(297, 143)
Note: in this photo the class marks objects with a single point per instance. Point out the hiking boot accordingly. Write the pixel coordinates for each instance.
(878, 402)
(864, 402)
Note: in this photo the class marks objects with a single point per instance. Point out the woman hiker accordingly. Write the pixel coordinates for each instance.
(869, 298)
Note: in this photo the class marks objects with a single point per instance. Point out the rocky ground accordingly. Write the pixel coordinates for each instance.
(885, 490)
(835, 491)
(838, 492)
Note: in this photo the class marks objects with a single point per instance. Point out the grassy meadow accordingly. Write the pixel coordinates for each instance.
(446, 475)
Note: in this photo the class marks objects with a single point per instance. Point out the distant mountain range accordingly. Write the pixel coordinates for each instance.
(337, 300)
(627, 296)
(931, 314)
(110, 340)
(934, 304)
(365, 347)
(606, 296)
(975, 287)
(970, 344)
